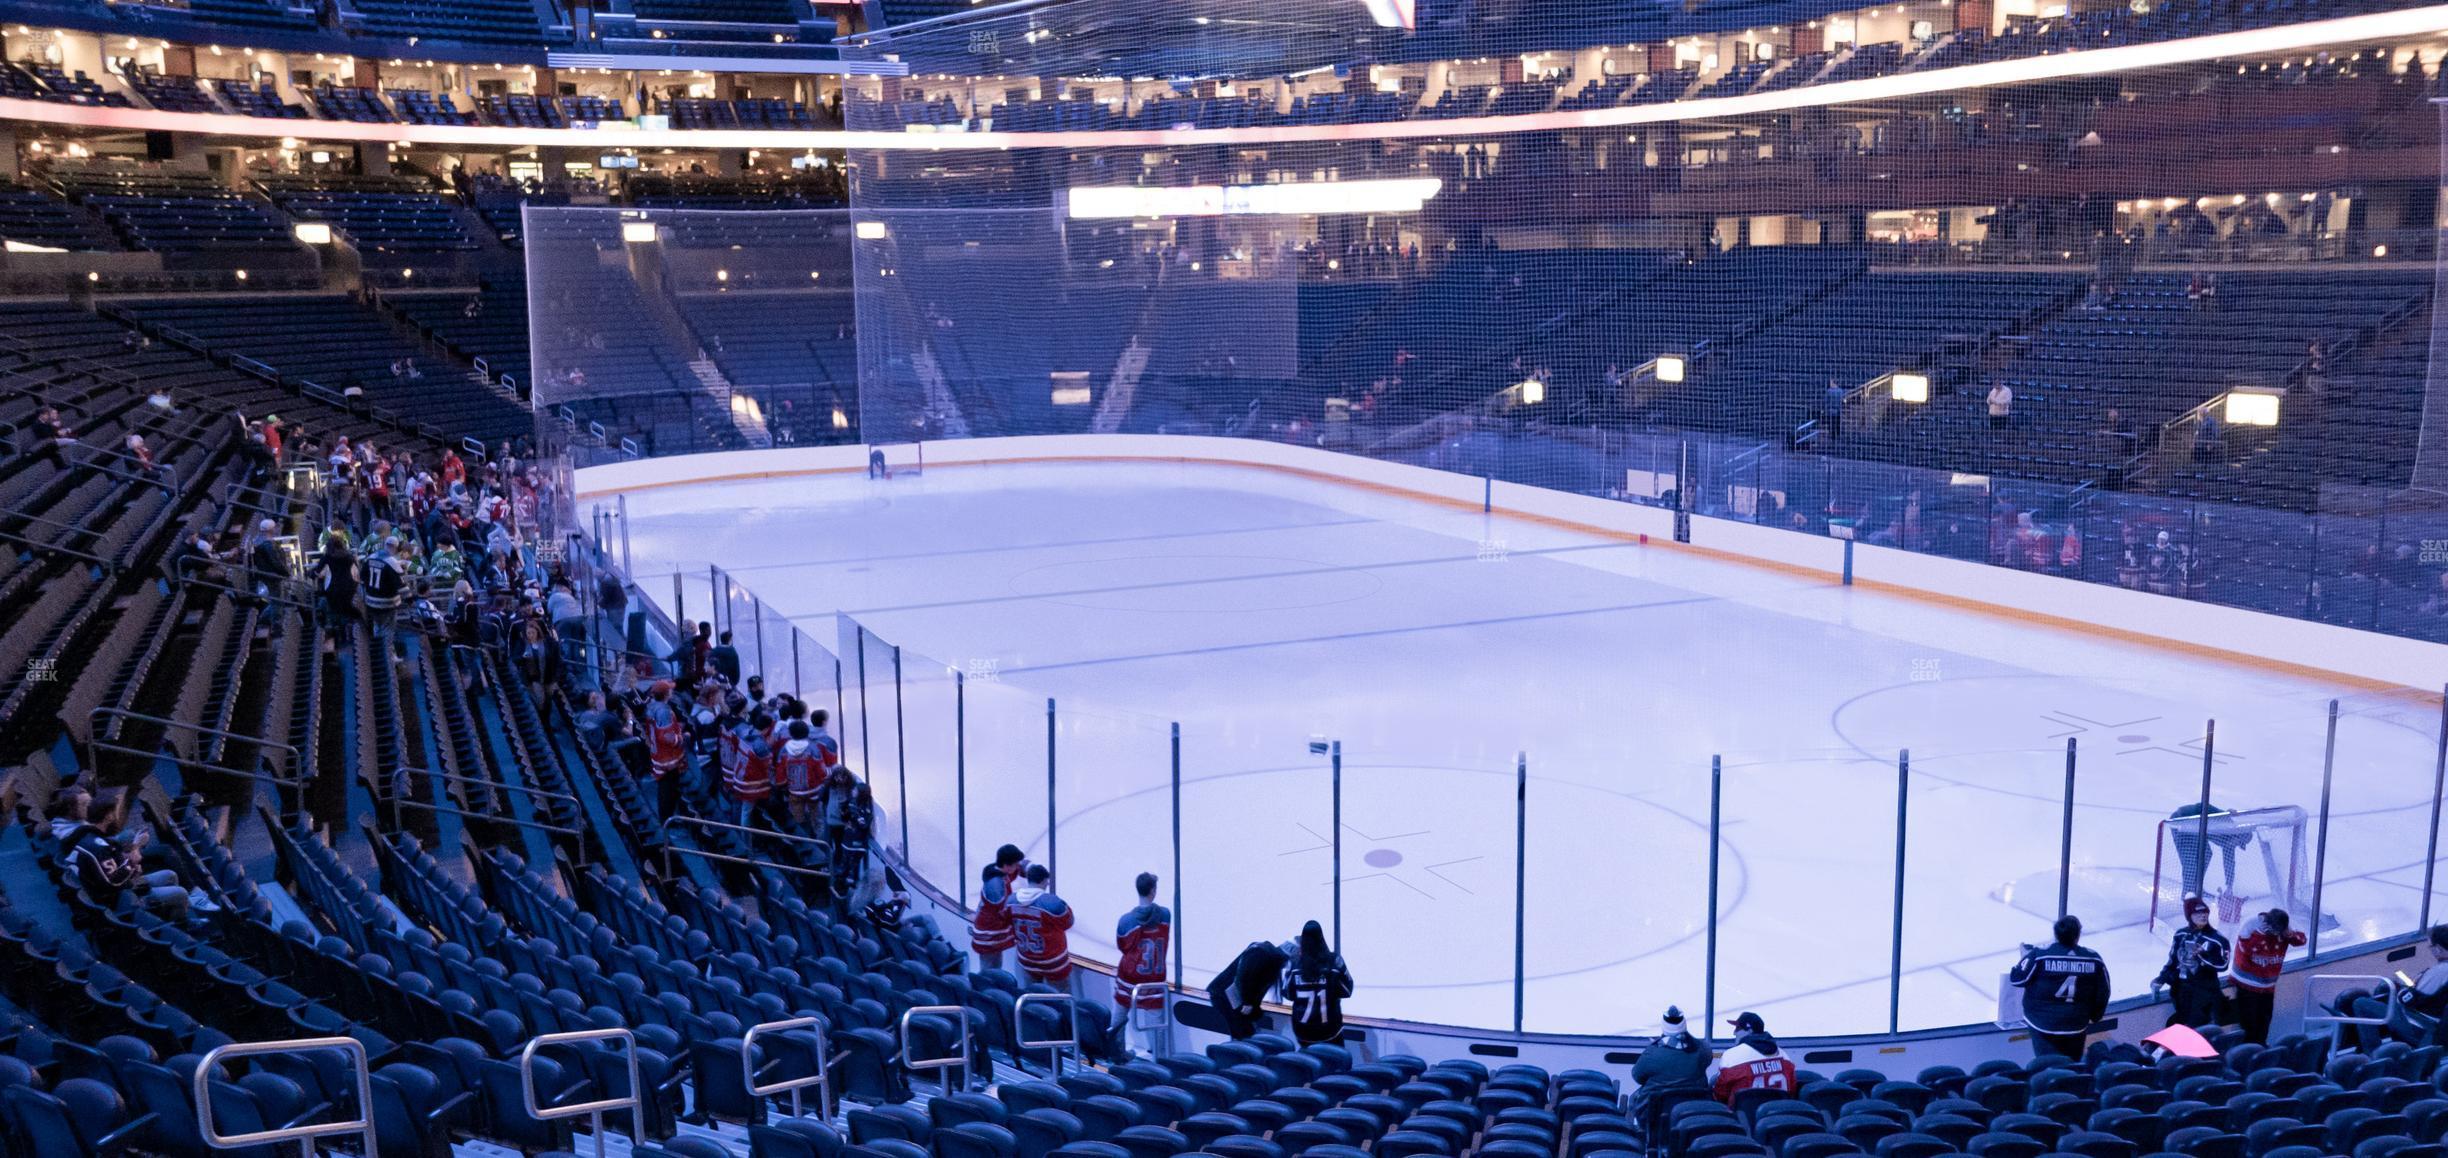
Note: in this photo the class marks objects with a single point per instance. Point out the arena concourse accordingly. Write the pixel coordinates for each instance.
(1236, 578)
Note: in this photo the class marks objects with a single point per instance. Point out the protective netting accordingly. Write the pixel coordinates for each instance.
(674, 331)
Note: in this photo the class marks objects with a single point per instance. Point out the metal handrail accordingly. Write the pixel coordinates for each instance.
(363, 1125)
(179, 573)
(94, 743)
(635, 1103)
(960, 1017)
(2338, 1021)
(822, 1079)
(495, 785)
(1162, 991)
(1054, 1046)
(786, 837)
(670, 850)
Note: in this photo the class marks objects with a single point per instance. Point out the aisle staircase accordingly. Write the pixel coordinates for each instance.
(748, 422)
(1116, 404)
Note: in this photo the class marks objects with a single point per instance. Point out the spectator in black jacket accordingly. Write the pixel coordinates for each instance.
(109, 864)
(2065, 990)
(2197, 957)
(1239, 992)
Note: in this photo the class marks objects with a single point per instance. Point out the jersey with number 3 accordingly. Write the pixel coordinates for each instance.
(1143, 937)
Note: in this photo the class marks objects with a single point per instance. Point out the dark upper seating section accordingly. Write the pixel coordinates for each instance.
(37, 217)
(377, 215)
(161, 209)
(504, 22)
(339, 345)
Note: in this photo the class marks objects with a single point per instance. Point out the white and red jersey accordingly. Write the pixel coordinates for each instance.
(1143, 937)
(2260, 955)
(990, 931)
(1041, 927)
(1754, 1063)
(666, 737)
(747, 763)
(802, 765)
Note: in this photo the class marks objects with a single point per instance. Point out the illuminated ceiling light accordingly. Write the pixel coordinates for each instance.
(242, 276)
(722, 275)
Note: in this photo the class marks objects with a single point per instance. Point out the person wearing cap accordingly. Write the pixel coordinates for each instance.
(2065, 990)
(1753, 1062)
(1675, 1063)
(2197, 956)
(2429, 996)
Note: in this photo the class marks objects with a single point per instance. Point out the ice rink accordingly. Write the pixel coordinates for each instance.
(1261, 611)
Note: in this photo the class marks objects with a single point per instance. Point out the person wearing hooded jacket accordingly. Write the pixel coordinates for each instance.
(990, 930)
(1675, 1062)
(2197, 956)
(1041, 927)
(1315, 983)
(1753, 1062)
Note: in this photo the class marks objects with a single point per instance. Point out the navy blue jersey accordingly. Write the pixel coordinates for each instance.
(2065, 988)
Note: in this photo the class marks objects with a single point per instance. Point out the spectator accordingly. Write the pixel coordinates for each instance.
(667, 746)
(108, 863)
(725, 660)
(1041, 927)
(335, 576)
(2429, 997)
(52, 437)
(1239, 992)
(990, 930)
(383, 584)
(2197, 957)
(1141, 939)
(1316, 982)
(268, 571)
(2001, 404)
(2260, 954)
(192, 559)
(852, 836)
(2065, 990)
(1676, 1063)
(1753, 1062)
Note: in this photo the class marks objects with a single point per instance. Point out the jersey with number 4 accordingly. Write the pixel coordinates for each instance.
(2065, 988)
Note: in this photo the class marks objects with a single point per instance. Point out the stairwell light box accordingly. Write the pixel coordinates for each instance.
(1906, 386)
(312, 232)
(2252, 408)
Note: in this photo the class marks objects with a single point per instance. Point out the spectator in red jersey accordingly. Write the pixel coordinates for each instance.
(990, 931)
(2260, 954)
(1753, 1062)
(666, 746)
(1041, 927)
(1142, 937)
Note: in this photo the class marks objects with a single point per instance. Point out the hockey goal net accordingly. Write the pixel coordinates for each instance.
(896, 459)
(2241, 862)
